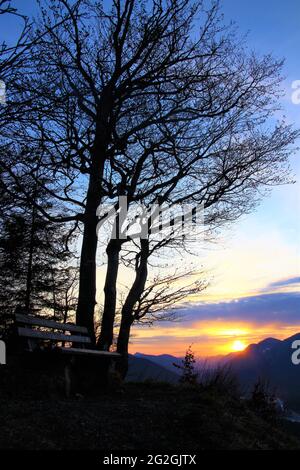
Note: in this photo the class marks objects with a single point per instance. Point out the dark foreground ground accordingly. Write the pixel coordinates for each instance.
(139, 417)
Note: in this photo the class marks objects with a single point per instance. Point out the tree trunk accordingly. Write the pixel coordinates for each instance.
(53, 295)
(110, 291)
(87, 277)
(87, 280)
(30, 263)
(133, 296)
(123, 342)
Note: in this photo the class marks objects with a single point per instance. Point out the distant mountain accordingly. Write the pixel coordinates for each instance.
(142, 369)
(167, 360)
(164, 360)
(270, 360)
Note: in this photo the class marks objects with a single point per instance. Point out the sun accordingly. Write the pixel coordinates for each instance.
(238, 345)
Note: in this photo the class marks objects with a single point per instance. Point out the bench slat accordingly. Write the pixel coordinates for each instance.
(28, 333)
(30, 320)
(87, 352)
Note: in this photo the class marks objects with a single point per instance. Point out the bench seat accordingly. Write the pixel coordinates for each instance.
(87, 352)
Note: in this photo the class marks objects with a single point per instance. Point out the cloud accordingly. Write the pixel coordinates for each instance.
(270, 308)
(284, 282)
(212, 326)
(263, 308)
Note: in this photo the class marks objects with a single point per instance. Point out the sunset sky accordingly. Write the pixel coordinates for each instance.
(254, 268)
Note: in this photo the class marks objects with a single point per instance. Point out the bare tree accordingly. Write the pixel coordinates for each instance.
(215, 151)
(135, 101)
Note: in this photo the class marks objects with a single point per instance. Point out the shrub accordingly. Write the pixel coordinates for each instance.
(263, 400)
(219, 378)
(189, 375)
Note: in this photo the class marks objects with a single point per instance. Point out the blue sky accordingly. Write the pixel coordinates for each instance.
(256, 264)
(273, 26)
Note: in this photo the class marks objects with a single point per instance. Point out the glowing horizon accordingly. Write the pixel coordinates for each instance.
(212, 344)
(220, 327)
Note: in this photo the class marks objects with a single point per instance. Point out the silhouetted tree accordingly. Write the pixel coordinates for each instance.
(218, 151)
(134, 101)
(63, 300)
(34, 261)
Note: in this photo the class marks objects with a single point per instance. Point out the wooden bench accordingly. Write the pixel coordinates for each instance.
(50, 336)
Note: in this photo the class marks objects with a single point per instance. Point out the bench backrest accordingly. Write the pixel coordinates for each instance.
(49, 330)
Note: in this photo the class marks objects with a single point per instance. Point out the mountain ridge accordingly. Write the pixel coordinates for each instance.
(268, 360)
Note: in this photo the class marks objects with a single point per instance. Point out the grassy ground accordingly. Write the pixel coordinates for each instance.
(139, 416)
